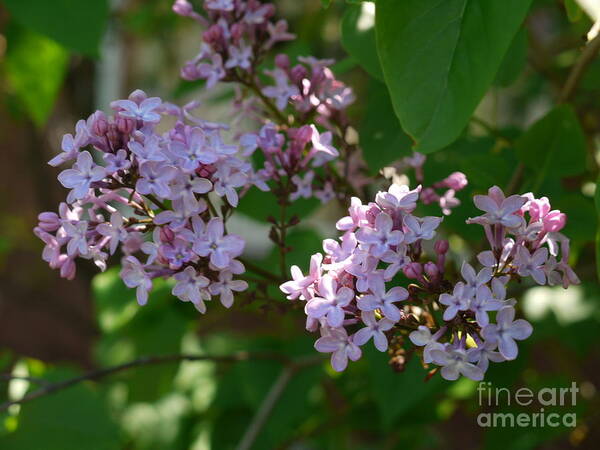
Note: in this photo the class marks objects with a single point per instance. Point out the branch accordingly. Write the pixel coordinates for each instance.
(271, 399)
(260, 271)
(587, 56)
(143, 361)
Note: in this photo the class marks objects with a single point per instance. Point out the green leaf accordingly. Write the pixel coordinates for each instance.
(358, 37)
(439, 58)
(514, 60)
(75, 24)
(554, 146)
(35, 69)
(381, 137)
(71, 419)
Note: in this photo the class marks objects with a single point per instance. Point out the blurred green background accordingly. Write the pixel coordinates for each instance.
(61, 60)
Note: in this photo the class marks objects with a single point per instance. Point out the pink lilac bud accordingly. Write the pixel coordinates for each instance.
(538, 208)
(554, 221)
(456, 181)
(282, 61)
(166, 234)
(303, 135)
(182, 8)
(49, 221)
(125, 125)
(113, 135)
(99, 123)
(297, 74)
(431, 270)
(190, 72)
(441, 247)
(206, 170)
(68, 269)
(428, 196)
(237, 31)
(213, 34)
(138, 96)
(413, 270)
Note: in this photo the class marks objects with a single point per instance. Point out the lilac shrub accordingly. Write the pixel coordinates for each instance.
(161, 200)
(378, 283)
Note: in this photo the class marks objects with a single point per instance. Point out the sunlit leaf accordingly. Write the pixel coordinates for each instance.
(358, 37)
(71, 419)
(35, 69)
(439, 58)
(77, 25)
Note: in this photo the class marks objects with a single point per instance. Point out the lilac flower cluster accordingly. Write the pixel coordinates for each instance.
(290, 157)
(150, 198)
(346, 286)
(347, 298)
(238, 35)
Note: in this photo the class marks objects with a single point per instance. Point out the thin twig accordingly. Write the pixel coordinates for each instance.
(144, 361)
(35, 380)
(271, 399)
(515, 180)
(587, 56)
(266, 408)
(260, 271)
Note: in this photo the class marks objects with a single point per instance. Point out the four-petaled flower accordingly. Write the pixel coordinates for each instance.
(454, 362)
(532, 264)
(81, 176)
(498, 209)
(225, 287)
(145, 111)
(455, 302)
(190, 287)
(155, 179)
(506, 331)
(374, 329)
(420, 228)
(221, 248)
(342, 348)
(113, 230)
(384, 301)
(134, 276)
(329, 301)
(382, 237)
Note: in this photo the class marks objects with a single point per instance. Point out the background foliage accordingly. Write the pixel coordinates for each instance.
(478, 86)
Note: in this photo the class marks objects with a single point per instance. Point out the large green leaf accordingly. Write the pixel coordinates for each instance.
(71, 419)
(35, 68)
(358, 37)
(554, 146)
(77, 25)
(439, 58)
(514, 60)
